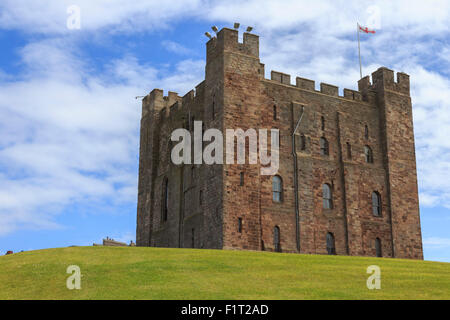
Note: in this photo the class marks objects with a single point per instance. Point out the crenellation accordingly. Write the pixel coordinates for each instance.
(352, 94)
(280, 77)
(228, 40)
(383, 78)
(305, 84)
(329, 89)
(156, 94)
(403, 83)
(261, 70)
(200, 90)
(188, 97)
(275, 76)
(175, 108)
(364, 84)
(171, 98)
(251, 44)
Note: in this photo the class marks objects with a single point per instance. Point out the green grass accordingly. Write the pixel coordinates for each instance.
(157, 273)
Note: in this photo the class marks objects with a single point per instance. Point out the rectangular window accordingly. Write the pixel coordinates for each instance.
(240, 225)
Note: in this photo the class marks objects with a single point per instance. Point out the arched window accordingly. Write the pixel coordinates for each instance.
(376, 204)
(274, 112)
(327, 196)
(378, 247)
(276, 239)
(165, 200)
(277, 189)
(349, 151)
(366, 132)
(331, 249)
(324, 150)
(368, 154)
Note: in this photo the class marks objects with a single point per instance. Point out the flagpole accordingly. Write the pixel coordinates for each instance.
(359, 50)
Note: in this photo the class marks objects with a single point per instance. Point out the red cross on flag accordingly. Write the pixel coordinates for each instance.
(365, 29)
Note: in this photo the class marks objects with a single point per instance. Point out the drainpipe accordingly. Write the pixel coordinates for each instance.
(294, 155)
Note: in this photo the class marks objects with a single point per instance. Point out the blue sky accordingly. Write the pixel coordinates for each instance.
(69, 123)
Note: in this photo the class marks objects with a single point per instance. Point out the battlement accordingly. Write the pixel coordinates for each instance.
(172, 108)
(384, 78)
(280, 77)
(310, 85)
(306, 84)
(228, 40)
(329, 89)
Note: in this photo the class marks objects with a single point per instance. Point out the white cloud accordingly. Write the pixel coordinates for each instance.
(50, 16)
(67, 137)
(176, 48)
(333, 17)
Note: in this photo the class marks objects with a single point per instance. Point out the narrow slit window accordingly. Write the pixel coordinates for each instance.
(378, 248)
(165, 202)
(324, 148)
(213, 108)
(276, 239)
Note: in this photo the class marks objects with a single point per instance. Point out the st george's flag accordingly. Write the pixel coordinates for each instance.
(359, 30)
(365, 29)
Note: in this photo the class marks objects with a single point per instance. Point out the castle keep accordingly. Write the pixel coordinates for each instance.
(346, 182)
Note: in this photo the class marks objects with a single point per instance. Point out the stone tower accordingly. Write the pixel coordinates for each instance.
(347, 177)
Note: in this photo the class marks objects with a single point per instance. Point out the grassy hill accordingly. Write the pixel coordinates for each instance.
(156, 273)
